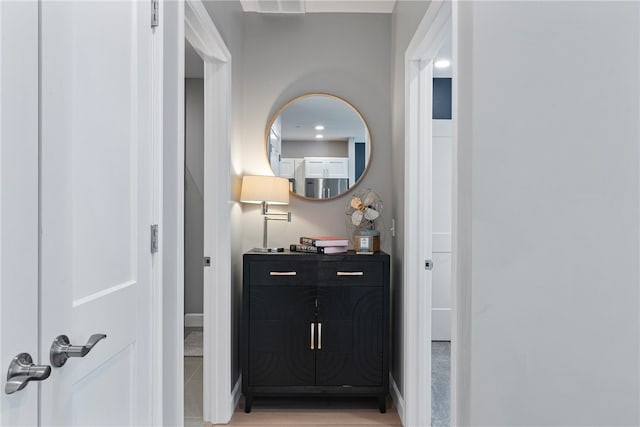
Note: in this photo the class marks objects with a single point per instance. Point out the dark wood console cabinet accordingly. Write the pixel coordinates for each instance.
(315, 325)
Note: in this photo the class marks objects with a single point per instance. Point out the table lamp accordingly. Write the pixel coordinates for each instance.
(266, 190)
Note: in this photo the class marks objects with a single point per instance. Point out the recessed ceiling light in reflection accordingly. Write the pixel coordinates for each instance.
(319, 136)
(319, 127)
(442, 63)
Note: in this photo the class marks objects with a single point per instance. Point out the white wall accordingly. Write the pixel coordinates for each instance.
(347, 55)
(194, 196)
(549, 107)
(405, 19)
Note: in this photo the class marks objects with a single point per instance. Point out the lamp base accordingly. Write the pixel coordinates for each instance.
(267, 250)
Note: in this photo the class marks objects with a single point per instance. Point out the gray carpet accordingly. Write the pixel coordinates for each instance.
(440, 383)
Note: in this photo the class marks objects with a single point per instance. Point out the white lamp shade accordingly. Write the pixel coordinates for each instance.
(270, 189)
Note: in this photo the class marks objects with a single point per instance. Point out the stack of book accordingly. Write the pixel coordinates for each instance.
(321, 245)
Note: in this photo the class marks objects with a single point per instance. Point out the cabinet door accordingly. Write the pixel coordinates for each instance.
(326, 167)
(350, 336)
(280, 350)
(337, 168)
(314, 168)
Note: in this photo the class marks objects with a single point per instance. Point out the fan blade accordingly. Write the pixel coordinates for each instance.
(356, 218)
(371, 196)
(355, 202)
(371, 214)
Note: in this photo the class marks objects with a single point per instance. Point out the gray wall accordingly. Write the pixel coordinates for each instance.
(549, 106)
(347, 55)
(405, 19)
(286, 56)
(300, 149)
(229, 19)
(552, 152)
(193, 195)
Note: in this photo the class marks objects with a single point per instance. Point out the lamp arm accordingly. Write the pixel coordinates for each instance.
(267, 218)
(265, 210)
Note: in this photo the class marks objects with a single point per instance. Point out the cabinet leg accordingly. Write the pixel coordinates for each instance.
(248, 401)
(382, 403)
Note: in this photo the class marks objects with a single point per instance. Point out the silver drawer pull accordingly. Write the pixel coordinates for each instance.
(282, 273)
(312, 335)
(319, 336)
(349, 273)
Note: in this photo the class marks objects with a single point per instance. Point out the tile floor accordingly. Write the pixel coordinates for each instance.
(193, 392)
(440, 383)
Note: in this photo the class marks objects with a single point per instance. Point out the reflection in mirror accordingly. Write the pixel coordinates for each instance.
(320, 143)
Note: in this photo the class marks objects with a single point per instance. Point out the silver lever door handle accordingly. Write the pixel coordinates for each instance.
(22, 370)
(61, 349)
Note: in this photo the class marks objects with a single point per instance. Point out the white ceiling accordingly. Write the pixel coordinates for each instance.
(318, 6)
(444, 53)
(339, 119)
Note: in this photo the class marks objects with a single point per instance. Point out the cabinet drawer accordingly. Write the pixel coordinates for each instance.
(281, 273)
(350, 272)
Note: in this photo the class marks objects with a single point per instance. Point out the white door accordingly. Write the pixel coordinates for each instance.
(275, 145)
(442, 173)
(18, 204)
(96, 209)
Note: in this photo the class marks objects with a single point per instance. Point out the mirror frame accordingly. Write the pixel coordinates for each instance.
(337, 98)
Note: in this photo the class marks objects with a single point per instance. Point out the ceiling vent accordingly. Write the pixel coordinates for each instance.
(318, 6)
(273, 6)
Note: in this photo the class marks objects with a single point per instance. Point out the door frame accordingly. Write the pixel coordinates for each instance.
(435, 26)
(218, 398)
(190, 20)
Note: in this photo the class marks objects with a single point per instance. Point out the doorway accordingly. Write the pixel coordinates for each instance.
(193, 236)
(442, 173)
(190, 20)
(430, 212)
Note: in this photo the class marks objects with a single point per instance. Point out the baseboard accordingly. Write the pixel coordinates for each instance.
(194, 320)
(398, 400)
(227, 405)
(235, 394)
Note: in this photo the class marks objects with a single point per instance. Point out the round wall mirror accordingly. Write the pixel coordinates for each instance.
(321, 144)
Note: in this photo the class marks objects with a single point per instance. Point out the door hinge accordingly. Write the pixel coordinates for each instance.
(155, 13)
(207, 261)
(428, 264)
(154, 238)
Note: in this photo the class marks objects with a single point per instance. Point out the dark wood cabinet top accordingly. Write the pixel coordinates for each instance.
(351, 255)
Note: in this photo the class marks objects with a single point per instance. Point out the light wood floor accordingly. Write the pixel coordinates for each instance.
(315, 413)
(315, 419)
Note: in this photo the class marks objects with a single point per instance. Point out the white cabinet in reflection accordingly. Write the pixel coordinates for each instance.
(287, 168)
(293, 170)
(326, 167)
